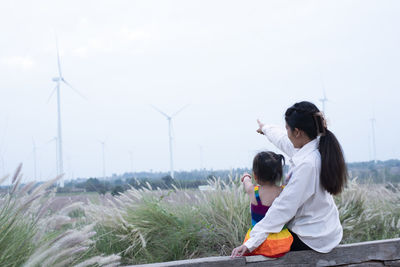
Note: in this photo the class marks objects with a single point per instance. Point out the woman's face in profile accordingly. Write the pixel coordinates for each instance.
(298, 137)
(292, 136)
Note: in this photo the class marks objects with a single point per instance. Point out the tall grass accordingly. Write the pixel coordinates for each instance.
(369, 212)
(146, 225)
(30, 235)
(152, 225)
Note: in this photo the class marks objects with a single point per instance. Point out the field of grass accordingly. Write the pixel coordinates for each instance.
(34, 234)
(151, 225)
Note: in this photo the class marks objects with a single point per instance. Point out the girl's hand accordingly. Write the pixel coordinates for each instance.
(260, 126)
(244, 176)
(239, 251)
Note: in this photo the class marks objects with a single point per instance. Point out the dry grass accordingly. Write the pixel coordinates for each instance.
(148, 225)
(151, 225)
(31, 234)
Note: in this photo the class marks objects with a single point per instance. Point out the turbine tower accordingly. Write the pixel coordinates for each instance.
(169, 118)
(131, 160)
(373, 139)
(201, 157)
(103, 144)
(60, 79)
(34, 159)
(324, 99)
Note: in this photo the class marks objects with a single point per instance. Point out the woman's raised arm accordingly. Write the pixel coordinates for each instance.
(277, 136)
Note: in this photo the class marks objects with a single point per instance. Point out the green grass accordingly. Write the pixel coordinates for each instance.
(369, 212)
(145, 225)
(154, 226)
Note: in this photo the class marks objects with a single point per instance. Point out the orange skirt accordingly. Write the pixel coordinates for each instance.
(276, 245)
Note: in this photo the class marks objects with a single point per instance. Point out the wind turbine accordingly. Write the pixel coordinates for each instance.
(131, 160)
(324, 99)
(103, 144)
(201, 157)
(373, 121)
(169, 118)
(60, 79)
(34, 159)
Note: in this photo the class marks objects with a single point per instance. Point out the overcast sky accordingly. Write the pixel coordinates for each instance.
(231, 61)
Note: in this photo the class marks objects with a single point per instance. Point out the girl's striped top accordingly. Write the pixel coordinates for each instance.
(257, 211)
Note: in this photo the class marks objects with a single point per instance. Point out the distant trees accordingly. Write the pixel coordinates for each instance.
(168, 180)
(379, 172)
(94, 185)
(388, 171)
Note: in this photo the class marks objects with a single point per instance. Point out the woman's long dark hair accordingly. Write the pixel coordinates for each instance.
(306, 116)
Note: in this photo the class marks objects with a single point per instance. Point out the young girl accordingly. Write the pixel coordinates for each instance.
(317, 172)
(267, 171)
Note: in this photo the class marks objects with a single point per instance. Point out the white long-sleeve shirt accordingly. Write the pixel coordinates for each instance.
(304, 205)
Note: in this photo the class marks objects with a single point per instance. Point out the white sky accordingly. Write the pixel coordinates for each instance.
(232, 61)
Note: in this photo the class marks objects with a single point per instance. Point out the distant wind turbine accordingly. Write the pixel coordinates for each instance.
(373, 121)
(131, 160)
(324, 99)
(34, 159)
(169, 118)
(60, 79)
(201, 157)
(103, 144)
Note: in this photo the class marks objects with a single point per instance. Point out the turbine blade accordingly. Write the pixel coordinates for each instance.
(103, 141)
(76, 91)
(51, 140)
(168, 117)
(58, 60)
(176, 113)
(52, 93)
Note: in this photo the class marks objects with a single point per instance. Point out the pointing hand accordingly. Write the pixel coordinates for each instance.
(260, 126)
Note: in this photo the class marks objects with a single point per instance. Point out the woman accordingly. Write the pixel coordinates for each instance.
(317, 172)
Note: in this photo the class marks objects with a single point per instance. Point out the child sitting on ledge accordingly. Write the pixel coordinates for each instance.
(267, 171)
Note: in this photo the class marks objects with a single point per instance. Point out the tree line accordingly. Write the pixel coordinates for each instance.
(375, 172)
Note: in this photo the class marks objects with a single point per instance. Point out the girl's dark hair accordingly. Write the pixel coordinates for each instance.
(306, 116)
(267, 166)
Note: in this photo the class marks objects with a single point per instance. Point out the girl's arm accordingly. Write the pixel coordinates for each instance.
(277, 136)
(247, 183)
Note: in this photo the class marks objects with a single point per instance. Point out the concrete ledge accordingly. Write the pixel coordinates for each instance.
(374, 253)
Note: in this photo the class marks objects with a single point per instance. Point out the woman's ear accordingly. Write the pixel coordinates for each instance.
(297, 132)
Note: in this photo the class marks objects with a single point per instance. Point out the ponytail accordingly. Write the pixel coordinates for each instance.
(306, 117)
(333, 167)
